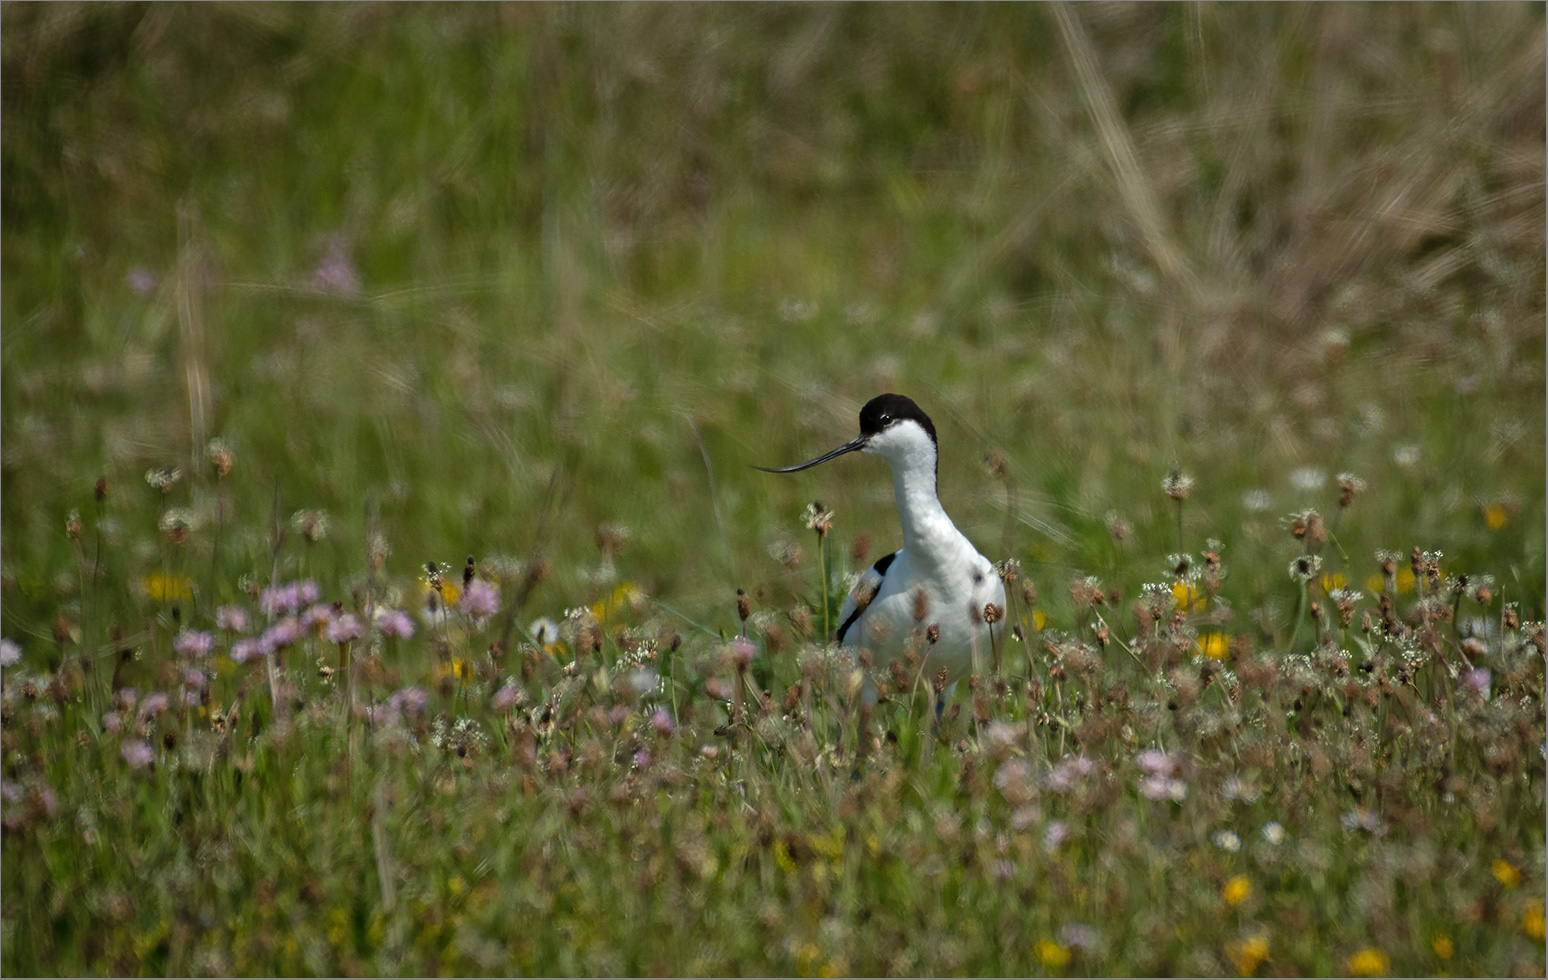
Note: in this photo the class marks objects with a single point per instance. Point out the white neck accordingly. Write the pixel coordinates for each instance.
(910, 451)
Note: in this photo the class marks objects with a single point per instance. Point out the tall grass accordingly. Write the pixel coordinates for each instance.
(322, 294)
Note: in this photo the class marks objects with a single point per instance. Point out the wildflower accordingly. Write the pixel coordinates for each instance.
(544, 631)
(1495, 515)
(1247, 953)
(1055, 834)
(1532, 921)
(661, 721)
(163, 588)
(1506, 874)
(1368, 962)
(194, 643)
(818, 519)
(743, 651)
(162, 478)
(286, 632)
(221, 457)
(335, 273)
(310, 524)
(1308, 478)
(1227, 841)
(140, 281)
(1362, 819)
(138, 753)
(1215, 646)
(1257, 500)
(480, 600)
(1478, 680)
(642, 759)
(73, 525)
(1065, 775)
(246, 649)
(505, 698)
(1087, 592)
(343, 629)
(1081, 935)
(232, 619)
(1117, 527)
(194, 679)
(1014, 781)
(393, 622)
(1237, 788)
(1304, 568)
(1051, 954)
(1443, 946)
(177, 523)
(112, 723)
(1177, 485)
(10, 653)
(1236, 890)
(1274, 833)
(155, 703)
(1157, 763)
(409, 700)
(1349, 487)
(1406, 456)
(317, 617)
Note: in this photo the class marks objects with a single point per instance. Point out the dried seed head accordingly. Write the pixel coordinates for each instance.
(1177, 485)
(1029, 592)
(818, 519)
(1416, 561)
(865, 658)
(1117, 527)
(743, 605)
(993, 613)
(100, 490)
(221, 457)
(1349, 487)
(467, 572)
(933, 634)
(162, 479)
(939, 684)
(310, 524)
(73, 525)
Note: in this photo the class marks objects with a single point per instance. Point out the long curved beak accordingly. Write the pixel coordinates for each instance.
(853, 445)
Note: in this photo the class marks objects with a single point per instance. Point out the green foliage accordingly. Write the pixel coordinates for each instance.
(538, 282)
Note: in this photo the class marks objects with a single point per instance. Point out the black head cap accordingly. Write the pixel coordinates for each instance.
(884, 410)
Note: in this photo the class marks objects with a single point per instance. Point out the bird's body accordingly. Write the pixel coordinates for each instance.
(932, 594)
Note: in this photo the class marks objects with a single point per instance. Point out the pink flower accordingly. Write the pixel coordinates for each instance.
(316, 617)
(155, 703)
(232, 619)
(409, 700)
(138, 753)
(504, 699)
(113, 722)
(1154, 762)
(394, 622)
(344, 629)
(194, 679)
(480, 600)
(194, 643)
(743, 651)
(1479, 679)
(10, 653)
(662, 722)
(246, 649)
(282, 634)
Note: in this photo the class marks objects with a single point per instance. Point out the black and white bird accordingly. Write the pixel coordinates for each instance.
(933, 592)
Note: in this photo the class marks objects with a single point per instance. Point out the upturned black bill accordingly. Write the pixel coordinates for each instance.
(853, 445)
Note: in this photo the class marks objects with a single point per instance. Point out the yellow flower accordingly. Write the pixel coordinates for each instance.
(1532, 920)
(1236, 890)
(1494, 515)
(1187, 595)
(1506, 873)
(1051, 954)
(1403, 581)
(1248, 953)
(1038, 619)
(1443, 946)
(1368, 962)
(1214, 645)
(1332, 581)
(164, 587)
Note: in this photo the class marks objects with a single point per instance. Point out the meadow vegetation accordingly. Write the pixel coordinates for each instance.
(385, 589)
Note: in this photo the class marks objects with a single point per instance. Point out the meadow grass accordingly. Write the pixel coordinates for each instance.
(1230, 319)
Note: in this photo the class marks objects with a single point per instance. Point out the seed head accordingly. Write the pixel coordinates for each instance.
(743, 605)
(939, 683)
(933, 634)
(162, 479)
(993, 613)
(1349, 487)
(101, 489)
(921, 605)
(310, 524)
(1177, 485)
(1117, 527)
(221, 457)
(818, 519)
(73, 525)
(176, 524)
(467, 572)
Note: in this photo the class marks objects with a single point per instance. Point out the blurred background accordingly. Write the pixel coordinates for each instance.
(541, 281)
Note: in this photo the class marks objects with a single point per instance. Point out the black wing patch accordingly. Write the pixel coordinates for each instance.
(880, 570)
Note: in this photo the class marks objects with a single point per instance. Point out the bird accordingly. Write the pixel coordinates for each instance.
(937, 593)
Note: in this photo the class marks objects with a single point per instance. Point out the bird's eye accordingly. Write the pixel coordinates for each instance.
(886, 420)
